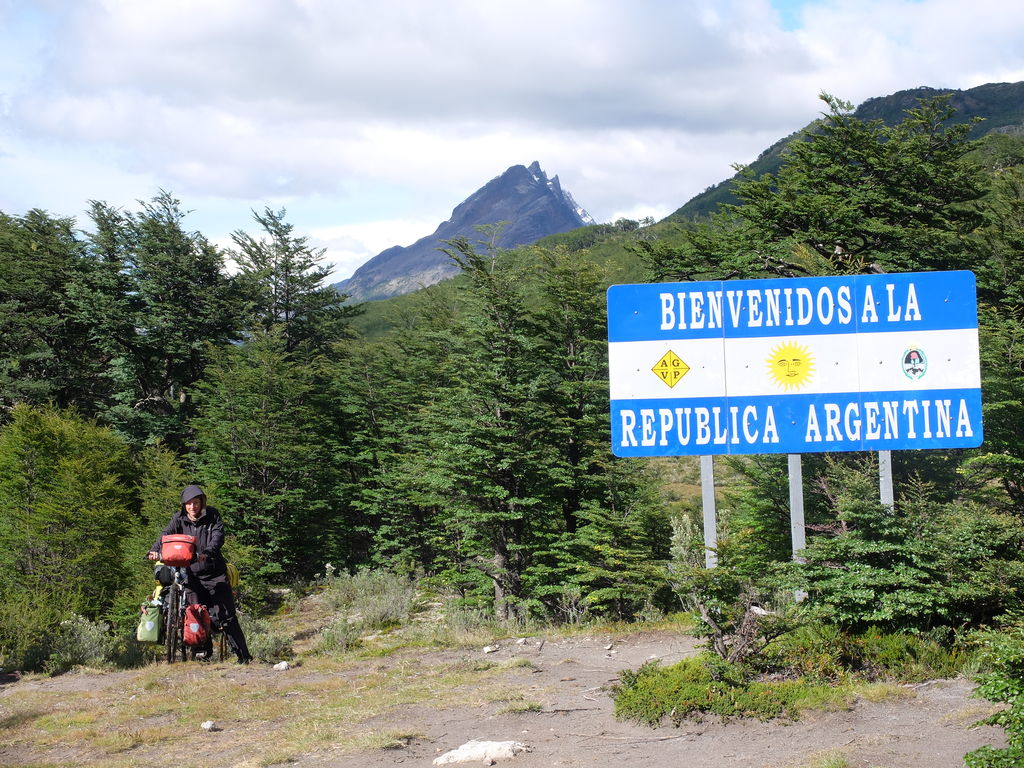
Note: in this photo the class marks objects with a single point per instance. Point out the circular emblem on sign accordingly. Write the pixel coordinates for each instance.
(915, 363)
(791, 365)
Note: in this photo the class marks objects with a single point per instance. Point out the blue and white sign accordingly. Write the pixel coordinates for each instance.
(800, 365)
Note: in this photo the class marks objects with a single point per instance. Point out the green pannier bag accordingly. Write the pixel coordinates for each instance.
(151, 624)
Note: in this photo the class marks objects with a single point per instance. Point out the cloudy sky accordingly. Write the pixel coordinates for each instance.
(370, 121)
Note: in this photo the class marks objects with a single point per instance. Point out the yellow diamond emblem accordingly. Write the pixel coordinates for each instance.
(670, 368)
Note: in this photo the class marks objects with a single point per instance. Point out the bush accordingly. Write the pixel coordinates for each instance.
(378, 599)
(697, 687)
(1002, 653)
(265, 644)
(339, 636)
(824, 653)
(27, 625)
(80, 642)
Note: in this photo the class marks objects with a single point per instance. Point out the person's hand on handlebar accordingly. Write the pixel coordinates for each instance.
(152, 555)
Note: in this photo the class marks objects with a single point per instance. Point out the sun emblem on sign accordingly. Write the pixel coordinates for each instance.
(791, 365)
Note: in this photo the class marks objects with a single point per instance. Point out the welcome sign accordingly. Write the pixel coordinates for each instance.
(799, 365)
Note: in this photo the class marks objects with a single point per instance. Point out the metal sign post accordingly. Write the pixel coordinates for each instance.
(796, 505)
(885, 491)
(707, 487)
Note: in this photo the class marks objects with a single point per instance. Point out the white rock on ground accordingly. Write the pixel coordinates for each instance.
(282, 665)
(482, 752)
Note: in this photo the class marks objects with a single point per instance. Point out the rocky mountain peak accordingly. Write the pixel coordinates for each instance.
(530, 204)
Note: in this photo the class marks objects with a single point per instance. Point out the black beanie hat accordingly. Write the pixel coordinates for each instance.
(191, 492)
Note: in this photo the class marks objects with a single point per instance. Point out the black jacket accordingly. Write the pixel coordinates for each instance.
(209, 533)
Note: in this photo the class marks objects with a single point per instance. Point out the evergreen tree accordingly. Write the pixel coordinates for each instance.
(47, 344)
(261, 452)
(285, 282)
(183, 305)
(609, 539)
(68, 487)
(851, 196)
(487, 450)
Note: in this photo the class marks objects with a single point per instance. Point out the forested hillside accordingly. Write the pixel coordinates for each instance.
(466, 440)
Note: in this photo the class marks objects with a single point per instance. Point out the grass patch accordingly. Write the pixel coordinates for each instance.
(267, 719)
(521, 707)
(688, 690)
(828, 759)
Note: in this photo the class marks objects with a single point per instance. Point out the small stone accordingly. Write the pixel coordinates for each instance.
(609, 647)
(209, 725)
(521, 641)
(491, 648)
(282, 666)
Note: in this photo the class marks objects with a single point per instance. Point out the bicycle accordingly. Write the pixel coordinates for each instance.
(174, 604)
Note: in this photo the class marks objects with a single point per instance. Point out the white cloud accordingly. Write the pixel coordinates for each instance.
(371, 121)
(347, 247)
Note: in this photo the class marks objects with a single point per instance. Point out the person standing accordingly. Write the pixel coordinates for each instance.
(207, 575)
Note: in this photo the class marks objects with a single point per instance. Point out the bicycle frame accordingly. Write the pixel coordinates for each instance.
(174, 617)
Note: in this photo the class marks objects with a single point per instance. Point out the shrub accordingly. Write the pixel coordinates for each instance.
(701, 686)
(824, 653)
(80, 642)
(1003, 654)
(27, 625)
(738, 619)
(378, 598)
(265, 644)
(339, 636)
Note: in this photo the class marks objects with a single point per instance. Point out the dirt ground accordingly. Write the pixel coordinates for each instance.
(571, 721)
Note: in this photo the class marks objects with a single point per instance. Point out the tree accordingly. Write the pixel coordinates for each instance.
(261, 452)
(487, 454)
(607, 545)
(851, 196)
(285, 282)
(48, 344)
(67, 483)
(181, 305)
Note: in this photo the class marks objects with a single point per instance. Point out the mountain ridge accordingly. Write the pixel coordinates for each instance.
(523, 204)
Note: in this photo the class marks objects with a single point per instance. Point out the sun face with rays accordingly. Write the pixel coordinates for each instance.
(791, 365)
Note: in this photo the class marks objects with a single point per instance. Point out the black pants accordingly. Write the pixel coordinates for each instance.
(215, 593)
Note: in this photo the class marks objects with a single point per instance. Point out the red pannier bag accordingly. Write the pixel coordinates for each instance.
(197, 625)
(177, 549)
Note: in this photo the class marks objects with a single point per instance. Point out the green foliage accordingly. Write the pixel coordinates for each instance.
(691, 690)
(261, 454)
(63, 539)
(80, 642)
(824, 653)
(179, 304)
(813, 666)
(919, 566)
(1002, 653)
(285, 286)
(342, 634)
(738, 618)
(264, 643)
(377, 598)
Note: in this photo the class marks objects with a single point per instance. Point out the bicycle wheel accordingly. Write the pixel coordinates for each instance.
(181, 627)
(172, 623)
